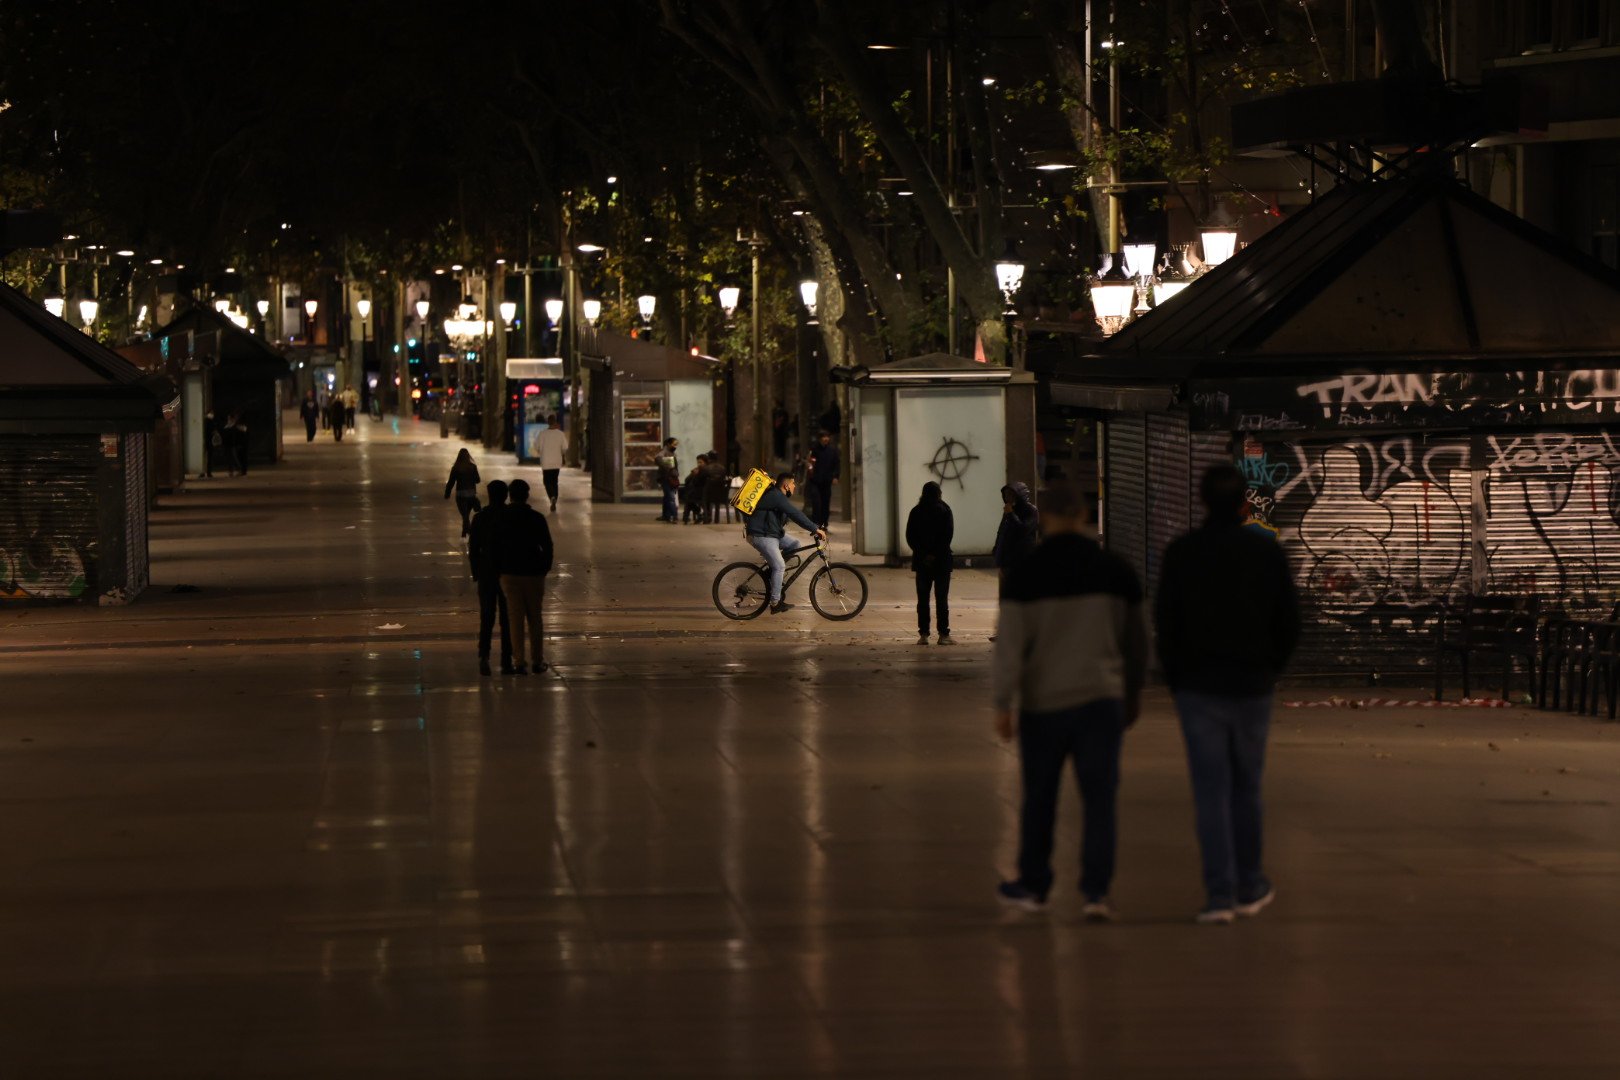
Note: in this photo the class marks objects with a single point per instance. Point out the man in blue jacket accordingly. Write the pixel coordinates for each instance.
(767, 532)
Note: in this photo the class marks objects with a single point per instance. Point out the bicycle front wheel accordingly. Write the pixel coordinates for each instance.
(741, 591)
(838, 591)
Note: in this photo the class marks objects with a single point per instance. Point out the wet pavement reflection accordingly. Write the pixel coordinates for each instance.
(280, 826)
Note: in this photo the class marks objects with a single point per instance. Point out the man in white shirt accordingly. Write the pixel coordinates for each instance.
(550, 446)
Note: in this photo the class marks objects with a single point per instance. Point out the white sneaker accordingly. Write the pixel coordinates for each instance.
(1098, 911)
(1252, 908)
(945, 639)
(1216, 916)
(922, 639)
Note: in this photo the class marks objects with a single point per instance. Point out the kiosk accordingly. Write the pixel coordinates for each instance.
(535, 389)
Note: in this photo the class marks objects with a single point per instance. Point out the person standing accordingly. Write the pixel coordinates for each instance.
(236, 443)
(824, 470)
(1070, 658)
(523, 557)
(463, 482)
(1019, 531)
(351, 404)
(550, 447)
(481, 558)
(1227, 620)
(779, 430)
(309, 411)
(766, 529)
(669, 481)
(929, 531)
(335, 415)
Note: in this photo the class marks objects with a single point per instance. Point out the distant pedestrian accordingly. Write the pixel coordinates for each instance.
(779, 430)
(1020, 529)
(716, 490)
(1227, 618)
(309, 411)
(336, 416)
(929, 531)
(550, 447)
(463, 483)
(236, 443)
(1070, 658)
(692, 492)
(323, 398)
(481, 558)
(824, 470)
(351, 405)
(214, 435)
(523, 555)
(669, 481)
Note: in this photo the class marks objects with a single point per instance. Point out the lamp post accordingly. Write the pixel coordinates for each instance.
(554, 313)
(87, 312)
(465, 330)
(1010, 278)
(56, 305)
(422, 331)
(729, 295)
(647, 305)
(363, 307)
(310, 307)
(810, 375)
(264, 316)
(592, 310)
(1112, 295)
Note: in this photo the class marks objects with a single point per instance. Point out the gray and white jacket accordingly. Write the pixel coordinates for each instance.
(1071, 629)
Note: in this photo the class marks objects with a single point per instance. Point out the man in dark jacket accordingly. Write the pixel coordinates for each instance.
(929, 531)
(1020, 528)
(824, 470)
(1227, 617)
(491, 601)
(1071, 657)
(767, 532)
(523, 555)
(309, 411)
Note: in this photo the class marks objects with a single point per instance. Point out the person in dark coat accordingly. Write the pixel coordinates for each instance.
(716, 490)
(491, 601)
(335, 414)
(1020, 529)
(779, 431)
(309, 411)
(523, 557)
(824, 470)
(464, 482)
(1227, 618)
(236, 444)
(929, 531)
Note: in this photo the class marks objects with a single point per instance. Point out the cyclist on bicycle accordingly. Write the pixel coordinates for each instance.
(766, 529)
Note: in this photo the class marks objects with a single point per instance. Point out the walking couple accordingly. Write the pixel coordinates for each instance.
(1071, 659)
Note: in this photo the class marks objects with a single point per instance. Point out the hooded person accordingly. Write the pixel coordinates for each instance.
(481, 559)
(1020, 528)
(929, 531)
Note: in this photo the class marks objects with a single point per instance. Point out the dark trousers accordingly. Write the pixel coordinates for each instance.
(1091, 734)
(491, 601)
(468, 505)
(821, 498)
(939, 581)
(1226, 755)
(549, 478)
(309, 428)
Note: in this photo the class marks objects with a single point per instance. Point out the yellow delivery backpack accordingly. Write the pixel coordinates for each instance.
(746, 498)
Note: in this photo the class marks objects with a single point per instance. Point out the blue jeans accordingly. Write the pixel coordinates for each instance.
(1091, 734)
(672, 508)
(776, 549)
(1226, 755)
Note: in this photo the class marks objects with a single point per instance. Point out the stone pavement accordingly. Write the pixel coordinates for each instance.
(251, 833)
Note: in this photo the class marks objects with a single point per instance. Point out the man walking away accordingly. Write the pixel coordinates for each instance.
(550, 447)
(929, 531)
(491, 601)
(767, 532)
(1227, 619)
(335, 416)
(1071, 654)
(824, 469)
(523, 556)
(351, 402)
(669, 481)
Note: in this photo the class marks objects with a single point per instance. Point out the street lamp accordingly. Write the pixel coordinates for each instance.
(264, 308)
(592, 310)
(508, 312)
(1220, 237)
(310, 307)
(1112, 295)
(808, 291)
(55, 305)
(729, 297)
(554, 310)
(221, 304)
(648, 305)
(87, 312)
(1171, 278)
(1010, 275)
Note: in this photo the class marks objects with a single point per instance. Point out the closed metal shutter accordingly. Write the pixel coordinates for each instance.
(1378, 532)
(49, 537)
(1551, 527)
(1169, 489)
(135, 505)
(1125, 490)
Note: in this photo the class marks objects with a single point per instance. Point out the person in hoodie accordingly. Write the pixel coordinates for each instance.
(929, 531)
(491, 601)
(1020, 529)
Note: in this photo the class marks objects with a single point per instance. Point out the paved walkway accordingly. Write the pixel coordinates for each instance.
(250, 832)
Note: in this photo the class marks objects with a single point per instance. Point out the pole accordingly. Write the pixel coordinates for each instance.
(570, 336)
(1113, 126)
(759, 426)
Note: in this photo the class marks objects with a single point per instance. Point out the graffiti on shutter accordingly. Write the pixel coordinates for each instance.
(48, 517)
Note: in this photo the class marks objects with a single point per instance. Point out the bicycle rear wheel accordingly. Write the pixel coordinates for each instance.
(741, 591)
(838, 591)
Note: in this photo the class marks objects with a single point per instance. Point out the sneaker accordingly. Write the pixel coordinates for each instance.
(1014, 894)
(781, 606)
(945, 639)
(553, 506)
(541, 667)
(1252, 908)
(483, 666)
(1216, 916)
(520, 669)
(1098, 910)
(922, 639)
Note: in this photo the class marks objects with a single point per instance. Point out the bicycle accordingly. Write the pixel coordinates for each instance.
(837, 590)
